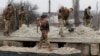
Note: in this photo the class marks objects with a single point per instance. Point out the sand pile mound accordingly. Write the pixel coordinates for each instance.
(31, 31)
(25, 31)
(98, 32)
(85, 31)
(81, 31)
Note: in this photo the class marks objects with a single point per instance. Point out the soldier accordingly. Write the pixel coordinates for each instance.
(22, 16)
(44, 27)
(63, 18)
(64, 14)
(7, 14)
(87, 17)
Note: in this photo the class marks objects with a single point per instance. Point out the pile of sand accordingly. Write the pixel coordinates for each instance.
(31, 31)
(66, 50)
(98, 32)
(25, 31)
(80, 31)
(63, 50)
(83, 31)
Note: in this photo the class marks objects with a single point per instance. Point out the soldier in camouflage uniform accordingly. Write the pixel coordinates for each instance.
(22, 17)
(44, 28)
(87, 17)
(7, 14)
(63, 18)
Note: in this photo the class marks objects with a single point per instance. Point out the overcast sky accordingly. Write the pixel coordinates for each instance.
(55, 4)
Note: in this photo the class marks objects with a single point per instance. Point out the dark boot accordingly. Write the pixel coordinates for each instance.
(7, 33)
(71, 30)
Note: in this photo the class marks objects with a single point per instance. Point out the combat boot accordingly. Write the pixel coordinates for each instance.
(7, 33)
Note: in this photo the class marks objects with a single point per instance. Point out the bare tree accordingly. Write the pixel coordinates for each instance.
(30, 10)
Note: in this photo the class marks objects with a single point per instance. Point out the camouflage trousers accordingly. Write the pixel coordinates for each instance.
(21, 22)
(61, 25)
(44, 38)
(87, 22)
(7, 27)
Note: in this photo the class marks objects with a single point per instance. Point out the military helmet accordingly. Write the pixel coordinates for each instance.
(9, 4)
